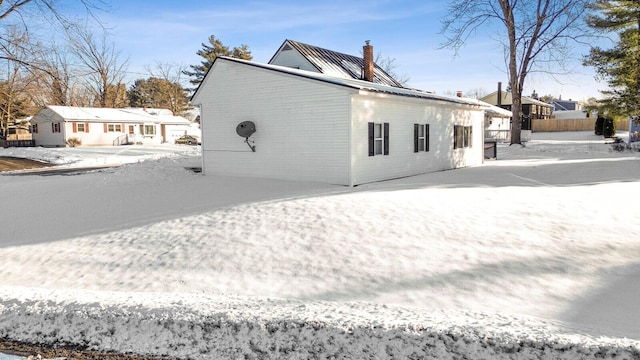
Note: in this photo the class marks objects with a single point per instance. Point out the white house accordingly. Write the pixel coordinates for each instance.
(315, 127)
(56, 125)
(497, 123)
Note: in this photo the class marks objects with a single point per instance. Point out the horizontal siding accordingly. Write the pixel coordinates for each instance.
(401, 114)
(292, 58)
(45, 136)
(302, 127)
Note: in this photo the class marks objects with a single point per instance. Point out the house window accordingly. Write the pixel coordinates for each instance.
(149, 130)
(462, 136)
(80, 127)
(55, 127)
(420, 137)
(378, 139)
(34, 128)
(114, 127)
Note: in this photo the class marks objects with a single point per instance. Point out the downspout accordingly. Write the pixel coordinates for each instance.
(202, 140)
(351, 142)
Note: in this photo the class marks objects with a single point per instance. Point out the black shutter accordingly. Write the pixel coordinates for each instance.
(455, 136)
(426, 137)
(371, 140)
(470, 136)
(416, 129)
(386, 138)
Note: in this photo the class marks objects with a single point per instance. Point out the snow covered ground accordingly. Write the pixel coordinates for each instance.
(534, 254)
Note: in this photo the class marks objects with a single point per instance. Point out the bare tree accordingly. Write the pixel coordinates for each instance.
(55, 82)
(388, 64)
(24, 13)
(535, 34)
(104, 71)
(16, 77)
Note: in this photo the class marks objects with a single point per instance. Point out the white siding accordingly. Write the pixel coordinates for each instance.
(293, 59)
(94, 133)
(401, 113)
(45, 135)
(302, 125)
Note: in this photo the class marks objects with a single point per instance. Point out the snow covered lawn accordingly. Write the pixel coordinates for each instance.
(535, 254)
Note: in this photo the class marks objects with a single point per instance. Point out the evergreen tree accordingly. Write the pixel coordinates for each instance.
(210, 52)
(619, 66)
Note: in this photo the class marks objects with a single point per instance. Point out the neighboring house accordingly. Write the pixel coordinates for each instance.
(301, 56)
(568, 109)
(497, 123)
(17, 130)
(315, 127)
(564, 105)
(532, 109)
(55, 125)
(171, 127)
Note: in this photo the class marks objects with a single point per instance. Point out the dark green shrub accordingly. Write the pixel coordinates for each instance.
(599, 125)
(608, 128)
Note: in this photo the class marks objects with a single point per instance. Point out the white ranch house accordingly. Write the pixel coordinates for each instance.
(55, 125)
(315, 127)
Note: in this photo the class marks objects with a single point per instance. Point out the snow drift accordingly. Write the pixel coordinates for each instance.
(532, 255)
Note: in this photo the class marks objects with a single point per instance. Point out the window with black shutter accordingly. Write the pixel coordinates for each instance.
(378, 138)
(420, 137)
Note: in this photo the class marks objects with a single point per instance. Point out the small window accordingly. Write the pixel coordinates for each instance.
(114, 127)
(81, 127)
(378, 139)
(420, 137)
(55, 127)
(462, 136)
(34, 128)
(149, 130)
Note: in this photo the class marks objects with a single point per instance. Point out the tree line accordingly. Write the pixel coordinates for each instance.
(80, 66)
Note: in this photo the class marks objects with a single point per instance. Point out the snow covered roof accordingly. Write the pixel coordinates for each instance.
(507, 99)
(360, 85)
(336, 64)
(102, 115)
(160, 116)
(496, 111)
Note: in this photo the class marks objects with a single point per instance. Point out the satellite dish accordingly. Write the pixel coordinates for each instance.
(246, 129)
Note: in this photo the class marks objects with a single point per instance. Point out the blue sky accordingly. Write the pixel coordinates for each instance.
(147, 31)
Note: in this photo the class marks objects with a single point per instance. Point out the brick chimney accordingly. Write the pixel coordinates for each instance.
(367, 71)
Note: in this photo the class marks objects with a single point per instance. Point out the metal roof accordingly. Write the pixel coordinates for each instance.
(337, 64)
(357, 84)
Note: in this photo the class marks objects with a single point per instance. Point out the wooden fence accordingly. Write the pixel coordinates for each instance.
(588, 124)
